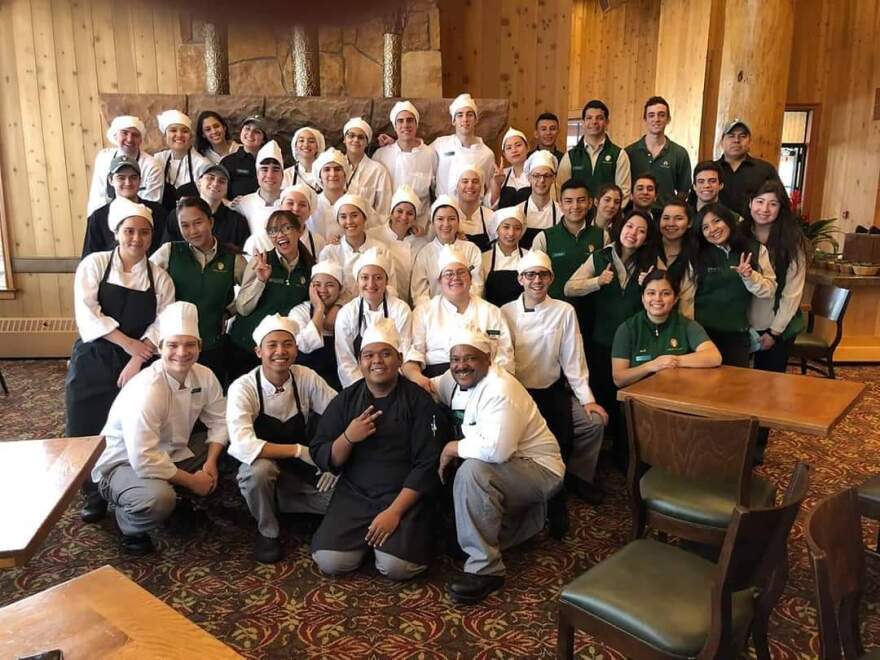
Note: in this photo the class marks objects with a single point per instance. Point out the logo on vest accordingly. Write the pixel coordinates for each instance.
(591, 248)
(665, 164)
(302, 279)
(607, 158)
(220, 266)
(673, 342)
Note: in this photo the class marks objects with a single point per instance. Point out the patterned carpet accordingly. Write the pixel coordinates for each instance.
(289, 610)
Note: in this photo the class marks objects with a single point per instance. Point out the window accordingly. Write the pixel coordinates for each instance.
(793, 153)
(575, 126)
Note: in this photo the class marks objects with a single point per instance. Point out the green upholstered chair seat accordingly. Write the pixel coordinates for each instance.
(807, 342)
(657, 593)
(702, 503)
(873, 654)
(870, 491)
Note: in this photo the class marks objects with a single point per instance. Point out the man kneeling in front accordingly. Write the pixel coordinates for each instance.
(511, 469)
(149, 448)
(379, 436)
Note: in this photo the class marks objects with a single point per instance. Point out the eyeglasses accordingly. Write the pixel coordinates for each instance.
(532, 275)
(285, 229)
(453, 274)
(356, 136)
(542, 177)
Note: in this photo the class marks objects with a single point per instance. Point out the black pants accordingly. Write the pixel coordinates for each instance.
(775, 359)
(733, 346)
(605, 392)
(554, 403)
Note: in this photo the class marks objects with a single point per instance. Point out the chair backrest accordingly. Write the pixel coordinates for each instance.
(689, 446)
(834, 537)
(829, 301)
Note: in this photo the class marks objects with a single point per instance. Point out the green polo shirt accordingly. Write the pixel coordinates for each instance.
(672, 167)
(639, 340)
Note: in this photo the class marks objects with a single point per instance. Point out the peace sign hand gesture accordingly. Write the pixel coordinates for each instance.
(262, 267)
(362, 426)
(745, 267)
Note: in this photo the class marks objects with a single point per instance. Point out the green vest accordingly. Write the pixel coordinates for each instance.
(283, 292)
(568, 253)
(210, 290)
(606, 165)
(649, 341)
(722, 301)
(613, 304)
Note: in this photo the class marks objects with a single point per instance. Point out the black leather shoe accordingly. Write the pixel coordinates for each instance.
(137, 544)
(94, 507)
(589, 493)
(267, 550)
(469, 588)
(557, 517)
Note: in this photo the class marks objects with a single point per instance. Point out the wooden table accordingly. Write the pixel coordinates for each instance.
(779, 401)
(38, 479)
(103, 614)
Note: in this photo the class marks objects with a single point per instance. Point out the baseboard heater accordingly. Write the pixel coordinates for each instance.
(36, 337)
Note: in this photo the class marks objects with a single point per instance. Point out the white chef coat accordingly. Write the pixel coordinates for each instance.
(477, 224)
(322, 222)
(511, 180)
(215, 158)
(256, 210)
(415, 168)
(347, 329)
(501, 421)
(310, 337)
(345, 254)
(243, 407)
(541, 218)
(91, 322)
(151, 179)
(178, 170)
(449, 148)
(296, 171)
(502, 261)
(425, 282)
(403, 252)
(370, 180)
(152, 418)
(546, 342)
(435, 321)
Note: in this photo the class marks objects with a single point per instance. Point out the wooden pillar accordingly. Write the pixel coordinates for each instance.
(216, 58)
(753, 73)
(306, 65)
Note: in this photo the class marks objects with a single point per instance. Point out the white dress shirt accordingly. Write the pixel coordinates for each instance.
(371, 180)
(151, 179)
(415, 168)
(91, 322)
(425, 282)
(546, 342)
(403, 252)
(345, 254)
(243, 407)
(435, 321)
(347, 329)
(502, 261)
(178, 170)
(152, 418)
(501, 421)
(215, 158)
(449, 148)
(310, 337)
(622, 174)
(761, 314)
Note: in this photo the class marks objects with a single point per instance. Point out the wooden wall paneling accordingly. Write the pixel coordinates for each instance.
(165, 28)
(86, 49)
(507, 38)
(144, 41)
(708, 143)
(576, 58)
(561, 65)
(106, 62)
(127, 71)
(528, 47)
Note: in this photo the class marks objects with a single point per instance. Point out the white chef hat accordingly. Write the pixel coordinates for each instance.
(170, 117)
(331, 155)
(402, 106)
(445, 200)
(534, 259)
(460, 166)
(405, 193)
(460, 102)
(122, 122)
(270, 151)
(271, 323)
(305, 190)
(319, 138)
(121, 208)
(258, 243)
(357, 122)
(353, 200)
(468, 335)
(450, 255)
(372, 257)
(179, 318)
(382, 331)
(512, 132)
(509, 213)
(540, 158)
(328, 267)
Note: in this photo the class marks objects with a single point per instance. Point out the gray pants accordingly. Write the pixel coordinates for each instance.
(263, 483)
(497, 506)
(340, 562)
(144, 504)
(586, 443)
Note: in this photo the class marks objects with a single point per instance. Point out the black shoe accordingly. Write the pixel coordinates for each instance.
(589, 493)
(185, 519)
(137, 544)
(267, 550)
(557, 517)
(469, 588)
(94, 507)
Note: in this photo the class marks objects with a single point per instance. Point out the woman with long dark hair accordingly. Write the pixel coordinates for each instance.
(212, 137)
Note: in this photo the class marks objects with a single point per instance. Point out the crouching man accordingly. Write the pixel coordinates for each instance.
(379, 436)
(149, 452)
(511, 469)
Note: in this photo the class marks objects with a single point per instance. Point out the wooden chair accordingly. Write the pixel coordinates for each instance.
(869, 503)
(687, 474)
(829, 302)
(834, 537)
(653, 600)
(3, 384)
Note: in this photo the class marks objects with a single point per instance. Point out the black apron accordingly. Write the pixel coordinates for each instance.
(296, 179)
(170, 194)
(293, 431)
(511, 196)
(434, 370)
(358, 340)
(530, 232)
(322, 360)
(481, 240)
(554, 404)
(502, 285)
(90, 385)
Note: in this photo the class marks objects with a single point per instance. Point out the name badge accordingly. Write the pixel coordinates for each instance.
(642, 358)
(493, 333)
(196, 390)
(449, 153)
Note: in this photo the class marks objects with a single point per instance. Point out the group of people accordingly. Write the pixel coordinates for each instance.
(366, 333)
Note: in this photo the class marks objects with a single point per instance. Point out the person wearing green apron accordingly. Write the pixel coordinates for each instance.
(730, 271)
(658, 337)
(275, 281)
